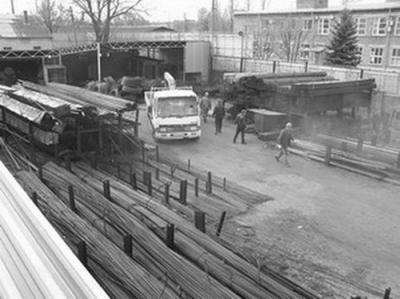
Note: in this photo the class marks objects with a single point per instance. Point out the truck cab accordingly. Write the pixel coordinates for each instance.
(173, 113)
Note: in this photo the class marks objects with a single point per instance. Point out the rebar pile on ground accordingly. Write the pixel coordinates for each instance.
(130, 276)
(123, 195)
(193, 281)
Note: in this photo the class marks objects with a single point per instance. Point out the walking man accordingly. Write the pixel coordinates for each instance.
(219, 113)
(241, 123)
(205, 106)
(284, 139)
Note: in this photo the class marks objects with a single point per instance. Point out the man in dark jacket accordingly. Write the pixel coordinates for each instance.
(284, 139)
(219, 113)
(241, 123)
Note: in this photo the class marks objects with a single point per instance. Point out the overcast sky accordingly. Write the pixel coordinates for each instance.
(168, 10)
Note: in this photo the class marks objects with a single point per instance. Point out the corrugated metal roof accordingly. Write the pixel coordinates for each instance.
(15, 27)
(34, 260)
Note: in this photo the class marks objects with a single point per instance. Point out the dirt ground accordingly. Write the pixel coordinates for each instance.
(332, 231)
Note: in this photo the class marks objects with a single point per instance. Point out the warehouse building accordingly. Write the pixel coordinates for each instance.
(303, 33)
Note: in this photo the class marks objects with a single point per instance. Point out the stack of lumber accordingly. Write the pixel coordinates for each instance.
(103, 101)
(34, 260)
(203, 268)
(42, 101)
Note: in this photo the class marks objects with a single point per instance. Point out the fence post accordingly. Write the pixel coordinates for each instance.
(166, 194)
(306, 66)
(128, 245)
(221, 222)
(71, 198)
(200, 221)
(274, 66)
(387, 293)
(169, 240)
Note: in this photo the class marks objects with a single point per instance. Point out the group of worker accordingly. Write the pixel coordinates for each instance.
(284, 139)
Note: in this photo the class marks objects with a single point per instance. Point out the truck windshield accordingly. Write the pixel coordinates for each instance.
(179, 106)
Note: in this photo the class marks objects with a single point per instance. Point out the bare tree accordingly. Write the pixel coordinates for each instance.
(292, 36)
(51, 15)
(103, 12)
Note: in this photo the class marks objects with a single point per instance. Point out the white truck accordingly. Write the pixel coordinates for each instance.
(173, 111)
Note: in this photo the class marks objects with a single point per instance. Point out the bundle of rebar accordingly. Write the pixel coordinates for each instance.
(123, 195)
(129, 275)
(192, 280)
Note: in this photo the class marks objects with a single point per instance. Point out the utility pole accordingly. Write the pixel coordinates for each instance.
(213, 17)
(98, 62)
(12, 7)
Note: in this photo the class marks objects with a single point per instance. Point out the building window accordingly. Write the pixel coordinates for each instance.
(395, 59)
(379, 26)
(361, 24)
(376, 55)
(360, 50)
(304, 51)
(307, 24)
(397, 27)
(323, 26)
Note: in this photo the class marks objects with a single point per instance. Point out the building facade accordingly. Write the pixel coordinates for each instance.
(303, 34)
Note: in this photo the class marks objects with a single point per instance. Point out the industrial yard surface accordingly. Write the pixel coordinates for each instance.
(333, 231)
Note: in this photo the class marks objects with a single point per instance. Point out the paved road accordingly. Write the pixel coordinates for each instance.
(333, 231)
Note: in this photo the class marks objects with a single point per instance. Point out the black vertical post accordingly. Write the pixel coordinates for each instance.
(189, 165)
(361, 73)
(35, 198)
(137, 123)
(149, 184)
(128, 245)
(133, 181)
(157, 174)
(169, 240)
(71, 196)
(306, 66)
(200, 221)
(221, 223)
(196, 186)
(157, 153)
(82, 253)
(274, 66)
(387, 293)
(328, 155)
(183, 192)
(166, 194)
(224, 184)
(209, 182)
(143, 153)
(41, 172)
(106, 189)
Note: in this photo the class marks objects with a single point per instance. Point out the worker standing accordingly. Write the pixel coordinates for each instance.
(284, 140)
(205, 106)
(241, 124)
(219, 113)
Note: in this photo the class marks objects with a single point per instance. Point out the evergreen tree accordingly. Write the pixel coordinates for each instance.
(343, 49)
